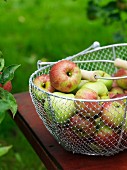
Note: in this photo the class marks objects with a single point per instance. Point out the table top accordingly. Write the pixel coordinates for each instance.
(52, 154)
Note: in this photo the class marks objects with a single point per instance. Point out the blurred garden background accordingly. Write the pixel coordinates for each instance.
(49, 30)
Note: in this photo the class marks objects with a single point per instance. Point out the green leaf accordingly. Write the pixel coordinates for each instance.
(1, 64)
(115, 16)
(1, 54)
(4, 106)
(110, 6)
(2, 116)
(1, 61)
(8, 73)
(8, 102)
(4, 149)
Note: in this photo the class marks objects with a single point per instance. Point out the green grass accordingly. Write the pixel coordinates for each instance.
(47, 30)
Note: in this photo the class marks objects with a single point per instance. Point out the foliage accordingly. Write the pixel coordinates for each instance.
(7, 100)
(111, 12)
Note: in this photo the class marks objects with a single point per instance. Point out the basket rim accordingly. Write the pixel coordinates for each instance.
(96, 49)
(70, 58)
(49, 94)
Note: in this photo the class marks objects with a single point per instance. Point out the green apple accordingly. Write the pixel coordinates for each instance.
(115, 91)
(99, 87)
(106, 137)
(121, 82)
(80, 85)
(58, 108)
(113, 113)
(108, 83)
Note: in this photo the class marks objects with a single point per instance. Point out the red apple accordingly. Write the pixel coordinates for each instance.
(106, 137)
(87, 108)
(65, 76)
(114, 91)
(121, 82)
(43, 82)
(114, 84)
(113, 113)
(119, 95)
(82, 126)
(7, 86)
(69, 137)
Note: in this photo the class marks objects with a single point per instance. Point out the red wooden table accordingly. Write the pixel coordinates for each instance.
(50, 152)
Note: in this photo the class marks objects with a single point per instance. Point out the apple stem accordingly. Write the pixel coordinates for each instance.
(69, 74)
(43, 85)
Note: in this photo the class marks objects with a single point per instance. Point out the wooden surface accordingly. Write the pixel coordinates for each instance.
(50, 152)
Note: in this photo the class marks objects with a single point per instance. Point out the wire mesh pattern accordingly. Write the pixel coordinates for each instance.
(85, 126)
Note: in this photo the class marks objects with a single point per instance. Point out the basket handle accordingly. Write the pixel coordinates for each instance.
(95, 45)
(94, 75)
(120, 63)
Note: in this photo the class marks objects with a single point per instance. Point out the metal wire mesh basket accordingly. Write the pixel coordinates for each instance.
(64, 117)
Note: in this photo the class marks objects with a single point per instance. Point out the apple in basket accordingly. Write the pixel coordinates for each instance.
(108, 83)
(82, 127)
(124, 136)
(69, 137)
(91, 91)
(59, 108)
(113, 113)
(99, 87)
(121, 82)
(85, 107)
(43, 82)
(114, 91)
(106, 137)
(65, 76)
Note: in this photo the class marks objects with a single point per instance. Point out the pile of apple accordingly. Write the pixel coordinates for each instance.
(79, 106)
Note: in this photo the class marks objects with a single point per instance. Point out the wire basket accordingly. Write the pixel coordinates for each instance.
(75, 131)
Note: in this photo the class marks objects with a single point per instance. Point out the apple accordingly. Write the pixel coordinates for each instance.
(69, 137)
(125, 91)
(108, 83)
(106, 137)
(65, 76)
(114, 91)
(59, 108)
(82, 126)
(121, 82)
(99, 87)
(114, 84)
(80, 85)
(87, 108)
(43, 82)
(113, 113)
(7, 86)
(120, 95)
